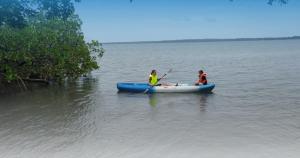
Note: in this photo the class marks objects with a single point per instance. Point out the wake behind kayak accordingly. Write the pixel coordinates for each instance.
(181, 88)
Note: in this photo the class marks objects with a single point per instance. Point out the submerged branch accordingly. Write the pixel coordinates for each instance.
(37, 80)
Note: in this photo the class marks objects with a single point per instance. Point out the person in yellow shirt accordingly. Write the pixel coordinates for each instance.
(153, 79)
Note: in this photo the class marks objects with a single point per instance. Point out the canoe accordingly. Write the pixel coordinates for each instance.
(180, 88)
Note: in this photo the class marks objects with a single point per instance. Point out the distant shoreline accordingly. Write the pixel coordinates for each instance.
(209, 40)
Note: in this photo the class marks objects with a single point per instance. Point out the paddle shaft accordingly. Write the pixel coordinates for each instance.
(162, 77)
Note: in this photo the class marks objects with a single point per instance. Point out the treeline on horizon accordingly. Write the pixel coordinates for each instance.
(211, 40)
(270, 2)
(42, 40)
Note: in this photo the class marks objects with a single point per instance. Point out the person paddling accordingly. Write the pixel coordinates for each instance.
(202, 78)
(153, 79)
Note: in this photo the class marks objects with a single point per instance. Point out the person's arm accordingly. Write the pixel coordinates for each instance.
(150, 79)
(203, 78)
(197, 82)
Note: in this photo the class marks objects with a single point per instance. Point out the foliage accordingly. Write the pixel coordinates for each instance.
(14, 12)
(47, 43)
(56, 8)
(271, 2)
(279, 1)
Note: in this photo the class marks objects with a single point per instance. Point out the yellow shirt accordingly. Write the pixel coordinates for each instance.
(154, 79)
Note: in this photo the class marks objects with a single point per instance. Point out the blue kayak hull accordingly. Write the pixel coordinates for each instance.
(133, 87)
(145, 87)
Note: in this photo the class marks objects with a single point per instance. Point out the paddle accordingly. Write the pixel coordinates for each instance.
(170, 70)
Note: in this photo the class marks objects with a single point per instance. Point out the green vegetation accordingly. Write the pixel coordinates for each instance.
(271, 2)
(279, 1)
(42, 40)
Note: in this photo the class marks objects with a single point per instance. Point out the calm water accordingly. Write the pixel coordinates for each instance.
(254, 111)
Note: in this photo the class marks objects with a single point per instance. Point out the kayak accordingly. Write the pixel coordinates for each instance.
(180, 88)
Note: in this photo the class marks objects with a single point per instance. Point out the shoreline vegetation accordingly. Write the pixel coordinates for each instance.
(210, 40)
(42, 42)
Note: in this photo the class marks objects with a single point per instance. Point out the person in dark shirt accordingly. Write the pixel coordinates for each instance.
(202, 78)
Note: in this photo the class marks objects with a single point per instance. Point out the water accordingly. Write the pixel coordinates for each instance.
(253, 112)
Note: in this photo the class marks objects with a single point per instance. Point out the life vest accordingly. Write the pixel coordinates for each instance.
(154, 79)
(202, 78)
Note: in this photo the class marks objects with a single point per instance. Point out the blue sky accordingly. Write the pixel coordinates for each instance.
(144, 20)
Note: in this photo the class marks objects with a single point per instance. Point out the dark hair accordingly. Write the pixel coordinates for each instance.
(153, 71)
(201, 71)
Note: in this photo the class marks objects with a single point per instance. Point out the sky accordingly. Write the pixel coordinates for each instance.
(152, 20)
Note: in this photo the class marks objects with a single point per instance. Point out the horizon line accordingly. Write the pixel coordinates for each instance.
(208, 40)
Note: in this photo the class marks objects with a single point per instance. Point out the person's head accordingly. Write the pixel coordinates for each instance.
(200, 72)
(153, 72)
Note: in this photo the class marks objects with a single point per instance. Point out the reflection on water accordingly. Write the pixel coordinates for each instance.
(202, 98)
(153, 100)
(50, 118)
(203, 101)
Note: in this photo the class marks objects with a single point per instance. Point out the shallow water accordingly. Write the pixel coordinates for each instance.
(253, 112)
